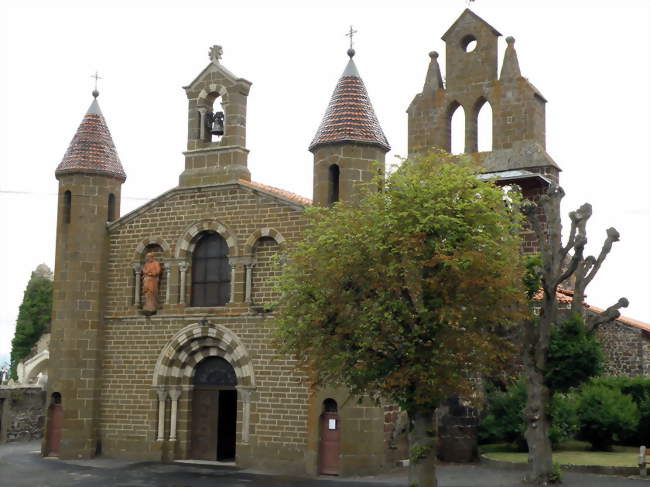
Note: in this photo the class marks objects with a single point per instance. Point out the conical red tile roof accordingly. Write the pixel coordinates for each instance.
(92, 149)
(350, 116)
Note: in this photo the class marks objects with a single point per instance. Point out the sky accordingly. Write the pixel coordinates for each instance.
(590, 59)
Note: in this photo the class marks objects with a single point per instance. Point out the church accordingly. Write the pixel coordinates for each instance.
(161, 337)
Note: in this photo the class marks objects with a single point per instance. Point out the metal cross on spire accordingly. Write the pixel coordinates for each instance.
(97, 77)
(350, 34)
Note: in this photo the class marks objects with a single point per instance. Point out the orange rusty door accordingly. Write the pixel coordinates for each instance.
(54, 426)
(329, 444)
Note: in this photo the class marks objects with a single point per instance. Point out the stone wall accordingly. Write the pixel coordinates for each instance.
(626, 349)
(22, 413)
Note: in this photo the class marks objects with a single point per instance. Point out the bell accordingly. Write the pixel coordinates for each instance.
(217, 124)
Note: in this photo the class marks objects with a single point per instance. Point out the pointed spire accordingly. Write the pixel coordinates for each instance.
(433, 80)
(350, 116)
(92, 149)
(510, 68)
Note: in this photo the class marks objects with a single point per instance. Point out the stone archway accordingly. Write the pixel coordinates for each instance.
(174, 377)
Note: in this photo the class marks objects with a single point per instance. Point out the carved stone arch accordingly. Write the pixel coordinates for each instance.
(144, 243)
(263, 232)
(191, 344)
(452, 108)
(187, 241)
(207, 97)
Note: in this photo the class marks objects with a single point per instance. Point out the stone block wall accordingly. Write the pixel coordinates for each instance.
(626, 349)
(22, 413)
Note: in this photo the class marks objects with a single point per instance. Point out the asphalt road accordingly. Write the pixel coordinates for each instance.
(22, 466)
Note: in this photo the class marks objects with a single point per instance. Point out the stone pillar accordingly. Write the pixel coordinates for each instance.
(137, 268)
(182, 267)
(162, 398)
(245, 395)
(249, 283)
(174, 394)
(168, 275)
(202, 112)
(233, 283)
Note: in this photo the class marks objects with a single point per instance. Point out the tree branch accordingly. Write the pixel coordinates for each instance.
(610, 314)
(612, 236)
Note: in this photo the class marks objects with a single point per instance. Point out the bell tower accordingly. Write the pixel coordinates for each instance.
(349, 142)
(216, 132)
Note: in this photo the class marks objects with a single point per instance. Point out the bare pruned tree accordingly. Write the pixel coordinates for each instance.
(560, 262)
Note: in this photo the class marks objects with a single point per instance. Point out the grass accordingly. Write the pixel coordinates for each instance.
(570, 453)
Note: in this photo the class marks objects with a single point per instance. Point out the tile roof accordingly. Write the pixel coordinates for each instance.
(279, 192)
(350, 116)
(92, 149)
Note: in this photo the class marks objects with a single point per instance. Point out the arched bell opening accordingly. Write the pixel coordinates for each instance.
(214, 411)
(212, 118)
(330, 439)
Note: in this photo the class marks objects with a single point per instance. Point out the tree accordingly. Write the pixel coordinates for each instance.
(34, 315)
(405, 296)
(558, 263)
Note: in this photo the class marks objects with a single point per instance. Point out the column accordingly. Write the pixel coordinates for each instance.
(249, 283)
(174, 394)
(162, 397)
(233, 275)
(137, 268)
(246, 414)
(202, 122)
(168, 275)
(182, 266)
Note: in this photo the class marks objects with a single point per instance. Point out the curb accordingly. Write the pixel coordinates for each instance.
(597, 469)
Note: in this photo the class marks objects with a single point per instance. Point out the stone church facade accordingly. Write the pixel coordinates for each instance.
(199, 378)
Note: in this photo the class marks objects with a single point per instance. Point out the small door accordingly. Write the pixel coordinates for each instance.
(205, 408)
(55, 427)
(329, 444)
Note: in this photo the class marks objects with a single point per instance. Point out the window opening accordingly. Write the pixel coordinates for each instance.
(333, 184)
(458, 130)
(210, 272)
(111, 207)
(484, 127)
(67, 206)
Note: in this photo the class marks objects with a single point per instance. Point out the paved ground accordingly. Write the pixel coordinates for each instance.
(22, 466)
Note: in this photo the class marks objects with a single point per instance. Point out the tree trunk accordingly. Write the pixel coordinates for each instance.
(540, 456)
(422, 449)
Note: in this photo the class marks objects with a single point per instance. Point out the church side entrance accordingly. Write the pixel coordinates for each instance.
(214, 411)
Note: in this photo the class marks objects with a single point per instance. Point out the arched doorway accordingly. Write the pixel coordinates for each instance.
(54, 425)
(330, 436)
(214, 410)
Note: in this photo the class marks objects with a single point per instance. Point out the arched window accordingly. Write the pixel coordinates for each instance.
(484, 127)
(67, 206)
(333, 184)
(457, 124)
(214, 371)
(210, 272)
(111, 207)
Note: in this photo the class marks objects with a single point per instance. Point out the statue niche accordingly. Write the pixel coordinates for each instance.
(151, 272)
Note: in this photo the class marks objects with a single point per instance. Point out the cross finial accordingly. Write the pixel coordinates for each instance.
(97, 77)
(350, 34)
(215, 53)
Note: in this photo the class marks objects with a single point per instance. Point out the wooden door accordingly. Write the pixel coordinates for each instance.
(205, 410)
(54, 427)
(227, 426)
(329, 444)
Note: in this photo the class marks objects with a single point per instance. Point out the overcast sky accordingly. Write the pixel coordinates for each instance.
(590, 60)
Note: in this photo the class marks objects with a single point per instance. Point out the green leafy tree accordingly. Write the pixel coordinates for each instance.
(34, 315)
(405, 296)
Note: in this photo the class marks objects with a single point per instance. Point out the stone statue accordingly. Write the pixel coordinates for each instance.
(150, 278)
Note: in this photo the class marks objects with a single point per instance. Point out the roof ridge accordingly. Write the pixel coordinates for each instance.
(278, 191)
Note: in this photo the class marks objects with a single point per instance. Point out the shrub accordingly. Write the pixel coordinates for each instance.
(638, 388)
(574, 355)
(604, 414)
(505, 419)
